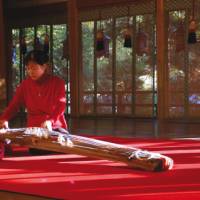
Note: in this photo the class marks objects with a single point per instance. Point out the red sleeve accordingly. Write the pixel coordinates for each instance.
(14, 104)
(60, 102)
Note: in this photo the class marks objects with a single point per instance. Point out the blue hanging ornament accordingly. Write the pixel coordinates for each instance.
(37, 44)
(104, 52)
(14, 55)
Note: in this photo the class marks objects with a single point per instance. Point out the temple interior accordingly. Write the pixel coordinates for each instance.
(131, 70)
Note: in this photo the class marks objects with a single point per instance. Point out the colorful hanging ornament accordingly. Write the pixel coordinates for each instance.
(192, 38)
(127, 38)
(37, 44)
(46, 44)
(23, 47)
(100, 40)
(65, 54)
(104, 52)
(127, 34)
(142, 46)
(100, 36)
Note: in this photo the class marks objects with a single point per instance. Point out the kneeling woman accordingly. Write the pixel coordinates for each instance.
(41, 93)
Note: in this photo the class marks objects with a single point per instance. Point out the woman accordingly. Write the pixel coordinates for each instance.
(42, 94)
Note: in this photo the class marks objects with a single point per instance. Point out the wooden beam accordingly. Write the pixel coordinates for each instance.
(2, 44)
(20, 196)
(161, 65)
(30, 16)
(2, 60)
(94, 3)
(80, 3)
(73, 27)
(33, 3)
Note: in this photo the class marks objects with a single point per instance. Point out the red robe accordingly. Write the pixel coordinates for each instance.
(44, 99)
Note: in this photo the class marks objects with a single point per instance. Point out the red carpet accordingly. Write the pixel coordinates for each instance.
(78, 177)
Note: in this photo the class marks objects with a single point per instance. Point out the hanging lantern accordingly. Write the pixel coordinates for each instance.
(142, 46)
(23, 47)
(100, 36)
(14, 54)
(104, 52)
(179, 38)
(46, 44)
(100, 40)
(37, 44)
(65, 53)
(127, 38)
(192, 38)
(127, 33)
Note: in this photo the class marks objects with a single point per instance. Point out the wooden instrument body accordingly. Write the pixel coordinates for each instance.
(67, 143)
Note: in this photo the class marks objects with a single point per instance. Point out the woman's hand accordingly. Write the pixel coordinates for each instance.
(3, 124)
(47, 124)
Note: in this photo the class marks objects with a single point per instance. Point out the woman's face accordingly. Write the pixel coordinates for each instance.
(35, 70)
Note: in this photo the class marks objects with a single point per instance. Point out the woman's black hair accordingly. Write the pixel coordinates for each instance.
(37, 56)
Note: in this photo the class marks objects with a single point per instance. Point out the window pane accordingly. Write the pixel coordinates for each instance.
(144, 72)
(124, 72)
(87, 78)
(15, 59)
(104, 72)
(176, 63)
(60, 58)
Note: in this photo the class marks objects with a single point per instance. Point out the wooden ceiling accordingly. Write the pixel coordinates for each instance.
(80, 3)
(41, 11)
(14, 4)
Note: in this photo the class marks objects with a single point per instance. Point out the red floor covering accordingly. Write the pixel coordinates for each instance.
(67, 176)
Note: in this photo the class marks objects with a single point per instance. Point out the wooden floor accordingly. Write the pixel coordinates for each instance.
(128, 127)
(8, 195)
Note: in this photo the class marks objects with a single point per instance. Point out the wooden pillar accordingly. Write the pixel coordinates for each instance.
(161, 65)
(2, 60)
(73, 27)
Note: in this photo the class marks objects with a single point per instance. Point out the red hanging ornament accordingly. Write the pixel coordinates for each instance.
(179, 38)
(128, 33)
(100, 40)
(192, 38)
(103, 48)
(142, 45)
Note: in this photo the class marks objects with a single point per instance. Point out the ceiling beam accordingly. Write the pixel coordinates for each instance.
(84, 4)
(30, 3)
